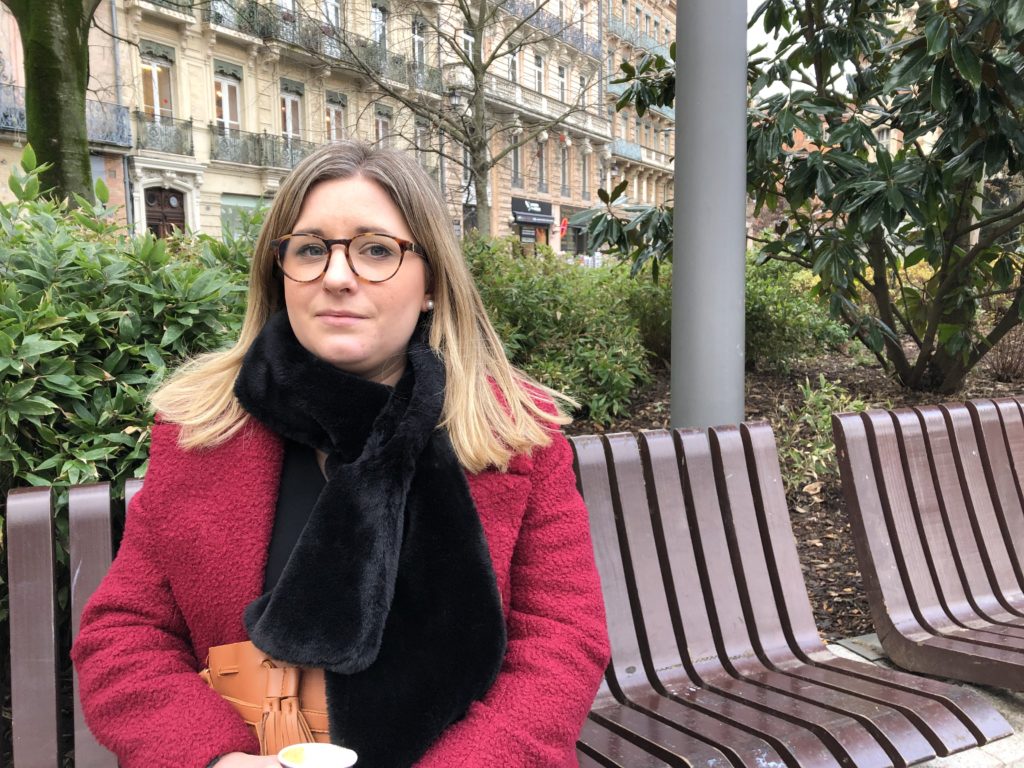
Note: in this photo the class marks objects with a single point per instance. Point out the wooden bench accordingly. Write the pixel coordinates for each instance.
(714, 647)
(716, 659)
(934, 496)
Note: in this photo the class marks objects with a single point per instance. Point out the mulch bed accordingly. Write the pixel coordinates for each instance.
(819, 521)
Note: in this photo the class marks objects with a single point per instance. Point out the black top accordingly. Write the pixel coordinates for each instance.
(301, 483)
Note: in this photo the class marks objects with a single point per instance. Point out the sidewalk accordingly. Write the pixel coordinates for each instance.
(1004, 752)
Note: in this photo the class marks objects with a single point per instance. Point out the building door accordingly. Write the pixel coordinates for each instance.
(165, 210)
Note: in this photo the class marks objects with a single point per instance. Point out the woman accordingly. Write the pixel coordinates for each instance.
(364, 485)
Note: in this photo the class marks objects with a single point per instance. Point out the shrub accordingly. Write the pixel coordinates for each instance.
(807, 450)
(785, 322)
(562, 324)
(90, 319)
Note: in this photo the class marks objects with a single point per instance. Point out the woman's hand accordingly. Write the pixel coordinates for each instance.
(242, 760)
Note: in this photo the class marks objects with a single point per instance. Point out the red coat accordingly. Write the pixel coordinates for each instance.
(193, 556)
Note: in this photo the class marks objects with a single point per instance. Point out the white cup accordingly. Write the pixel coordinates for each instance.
(314, 755)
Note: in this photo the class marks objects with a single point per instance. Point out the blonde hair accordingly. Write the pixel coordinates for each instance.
(492, 411)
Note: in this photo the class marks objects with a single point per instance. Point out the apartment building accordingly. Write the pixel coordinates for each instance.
(199, 108)
(641, 149)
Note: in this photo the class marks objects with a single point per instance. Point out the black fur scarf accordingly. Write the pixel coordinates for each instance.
(390, 587)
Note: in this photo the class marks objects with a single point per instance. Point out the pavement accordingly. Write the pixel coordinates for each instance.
(1004, 752)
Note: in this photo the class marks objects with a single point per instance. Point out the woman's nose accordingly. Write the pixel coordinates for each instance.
(339, 275)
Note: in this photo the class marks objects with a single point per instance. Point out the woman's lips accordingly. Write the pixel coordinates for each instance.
(339, 318)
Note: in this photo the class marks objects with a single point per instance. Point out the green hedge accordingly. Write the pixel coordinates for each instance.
(565, 325)
(90, 319)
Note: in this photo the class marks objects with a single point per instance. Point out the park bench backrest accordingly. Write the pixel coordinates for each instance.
(705, 603)
(36, 666)
(934, 497)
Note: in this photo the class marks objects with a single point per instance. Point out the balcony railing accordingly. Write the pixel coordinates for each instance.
(105, 123)
(181, 6)
(164, 134)
(235, 146)
(622, 29)
(548, 22)
(284, 151)
(262, 149)
(627, 149)
(108, 123)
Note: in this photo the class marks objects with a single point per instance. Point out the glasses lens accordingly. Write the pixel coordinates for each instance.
(303, 257)
(375, 257)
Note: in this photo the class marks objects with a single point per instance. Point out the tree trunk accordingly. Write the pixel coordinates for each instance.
(55, 36)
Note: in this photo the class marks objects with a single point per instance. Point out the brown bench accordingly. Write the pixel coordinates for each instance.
(716, 660)
(934, 496)
(714, 648)
(36, 691)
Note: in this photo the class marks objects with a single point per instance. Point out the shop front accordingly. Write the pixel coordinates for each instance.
(574, 239)
(532, 219)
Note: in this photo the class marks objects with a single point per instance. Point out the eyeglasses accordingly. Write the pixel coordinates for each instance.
(372, 258)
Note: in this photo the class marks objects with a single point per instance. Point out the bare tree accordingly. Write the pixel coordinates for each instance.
(447, 65)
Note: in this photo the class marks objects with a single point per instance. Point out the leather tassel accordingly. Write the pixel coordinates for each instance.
(283, 723)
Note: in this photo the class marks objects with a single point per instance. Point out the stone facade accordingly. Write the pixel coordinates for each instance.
(215, 103)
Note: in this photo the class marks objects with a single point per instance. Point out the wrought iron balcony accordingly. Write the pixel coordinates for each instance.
(164, 134)
(105, 123)
(627, 149)
(241, 17)
(566, 31)
(284, 151)
(181, 6)
(108, 123)
(624, 31)
(235, 146)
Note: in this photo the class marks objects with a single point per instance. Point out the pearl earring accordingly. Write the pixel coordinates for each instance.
(430, 305)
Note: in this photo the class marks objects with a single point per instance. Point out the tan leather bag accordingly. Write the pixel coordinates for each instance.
(282, 703)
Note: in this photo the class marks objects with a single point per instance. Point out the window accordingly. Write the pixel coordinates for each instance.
(565, 170)
(291, 111)
(382, 129)
(583, 91)
(625, 15)
(379, 25)
(467, 166)
(655, 30)
(513, 68)
(419, 43)
(336, 120)
(585, 175)
(287, 7)
(538, 73)
(647, 24)
(561, 84)
(420, 141)
(883, 135)
(468, 42)
(639, 14)
(225, 104)
(332, 13)
(156, 89)
(668, 141)
(517, 163)
(636, 131)
(624, 133)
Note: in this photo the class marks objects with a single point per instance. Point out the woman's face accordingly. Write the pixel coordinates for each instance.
(362, 328)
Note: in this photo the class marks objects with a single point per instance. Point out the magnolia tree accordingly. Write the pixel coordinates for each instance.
(885, 137)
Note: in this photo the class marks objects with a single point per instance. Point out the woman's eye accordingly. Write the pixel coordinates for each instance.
(312, 252)
(377, 251)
